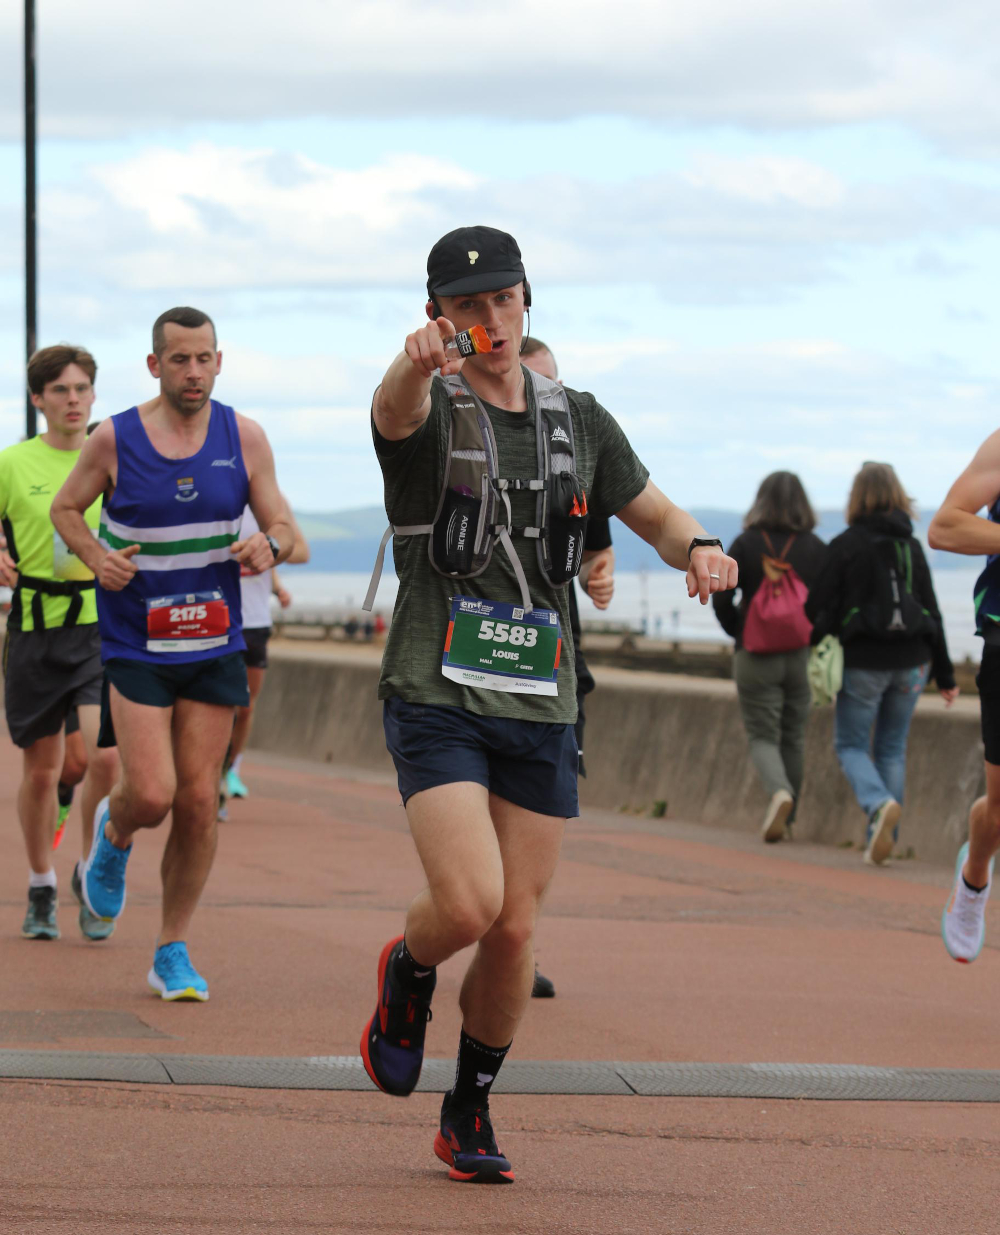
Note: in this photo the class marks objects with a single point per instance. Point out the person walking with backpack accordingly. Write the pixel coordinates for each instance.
(875, 594)
(779, 557)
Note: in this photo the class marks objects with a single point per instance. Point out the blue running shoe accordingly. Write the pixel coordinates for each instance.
(103, 878)
(467, 1144)
(174, 976)
(234, 786)
(91, 926)
(392, 1044)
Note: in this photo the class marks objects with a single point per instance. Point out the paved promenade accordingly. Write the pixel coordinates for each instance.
(666, 943)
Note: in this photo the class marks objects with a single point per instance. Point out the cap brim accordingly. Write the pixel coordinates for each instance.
(485, 282)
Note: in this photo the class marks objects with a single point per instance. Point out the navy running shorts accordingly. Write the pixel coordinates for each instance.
(255, 652)
(527, 762)
(222, 682)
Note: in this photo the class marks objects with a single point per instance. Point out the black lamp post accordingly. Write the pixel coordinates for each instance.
(30, 248)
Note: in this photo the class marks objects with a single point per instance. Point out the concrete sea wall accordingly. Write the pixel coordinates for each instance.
(653, 739)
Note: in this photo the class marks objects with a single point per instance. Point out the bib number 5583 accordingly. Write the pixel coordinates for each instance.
(504, 632)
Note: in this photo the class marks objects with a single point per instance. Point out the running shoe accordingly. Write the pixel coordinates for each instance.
(776, 819)
(174, 976)
(542, 987)
(61, 826)
(40, 920)
(467, 1144)
(234, 786)
(392, 1045)
(883, 829)
(963, 923)
(91, 926)
(103, 877)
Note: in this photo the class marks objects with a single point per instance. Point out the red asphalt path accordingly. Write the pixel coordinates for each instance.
(665, 941)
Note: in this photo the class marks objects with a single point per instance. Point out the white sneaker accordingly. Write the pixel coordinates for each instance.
(776, 819)
(881, 832)
(963, 923)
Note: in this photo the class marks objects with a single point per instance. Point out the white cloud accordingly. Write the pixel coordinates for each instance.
(110, 67)
(224, 218)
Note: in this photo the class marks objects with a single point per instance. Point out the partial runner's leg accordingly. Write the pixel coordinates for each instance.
(458, 848)
(143, 796)
(984, 830)
(200, 736)
(497, 985)
(244, 716)
(102, 769)
(37, 804)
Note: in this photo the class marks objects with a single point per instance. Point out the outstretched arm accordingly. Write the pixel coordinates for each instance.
(403, 402)
(670, 530)
(957, 527)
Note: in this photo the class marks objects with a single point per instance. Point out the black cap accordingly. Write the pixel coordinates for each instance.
(473, 259)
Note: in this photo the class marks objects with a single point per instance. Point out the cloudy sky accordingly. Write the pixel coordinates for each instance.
(764, 233)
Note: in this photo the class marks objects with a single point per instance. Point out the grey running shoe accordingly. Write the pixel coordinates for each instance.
(40, 920)
(91, 926)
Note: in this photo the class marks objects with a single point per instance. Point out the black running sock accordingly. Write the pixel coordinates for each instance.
(410, 972)
(65, 794)
(477, 1069)
(972, 888)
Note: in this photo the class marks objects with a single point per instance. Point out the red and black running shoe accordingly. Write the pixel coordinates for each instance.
(392, 1045)
(467, 1144)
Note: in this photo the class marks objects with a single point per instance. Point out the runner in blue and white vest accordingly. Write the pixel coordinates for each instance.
(176, 474)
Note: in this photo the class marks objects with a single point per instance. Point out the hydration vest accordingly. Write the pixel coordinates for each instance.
(473, 511)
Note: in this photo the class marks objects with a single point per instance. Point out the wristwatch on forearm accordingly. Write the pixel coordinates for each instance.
(702, 542)
(276, 548)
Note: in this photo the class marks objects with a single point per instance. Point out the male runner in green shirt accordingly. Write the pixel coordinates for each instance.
(52, 651)
(486, 756)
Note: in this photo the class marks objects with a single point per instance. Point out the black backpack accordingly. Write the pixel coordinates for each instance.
(890, 610)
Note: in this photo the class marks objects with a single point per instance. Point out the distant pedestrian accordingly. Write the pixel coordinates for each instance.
(875, 594)
(779, 558)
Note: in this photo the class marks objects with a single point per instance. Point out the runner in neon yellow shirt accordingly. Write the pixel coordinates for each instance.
(52, 650)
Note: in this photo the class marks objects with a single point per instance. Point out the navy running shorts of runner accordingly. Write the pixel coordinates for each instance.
(529, 763)
(222, 682)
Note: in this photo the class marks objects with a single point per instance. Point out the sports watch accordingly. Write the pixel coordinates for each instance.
(702, 542)
(276, 548)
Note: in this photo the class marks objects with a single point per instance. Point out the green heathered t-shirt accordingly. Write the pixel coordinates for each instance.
(31, 474)
(413, 471)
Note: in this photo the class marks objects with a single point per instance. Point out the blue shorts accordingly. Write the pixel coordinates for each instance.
(526, 762)
(221, 682)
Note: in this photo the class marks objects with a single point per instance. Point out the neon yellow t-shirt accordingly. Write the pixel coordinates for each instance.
(31, 474)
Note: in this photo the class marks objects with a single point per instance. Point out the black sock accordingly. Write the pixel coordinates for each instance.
(477, 1069)
(65, 794)
(410, 972)
(972, 888)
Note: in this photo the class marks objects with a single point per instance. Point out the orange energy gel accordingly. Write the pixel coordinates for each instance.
(471, 342)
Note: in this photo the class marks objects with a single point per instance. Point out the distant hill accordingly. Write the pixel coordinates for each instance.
(347, 540)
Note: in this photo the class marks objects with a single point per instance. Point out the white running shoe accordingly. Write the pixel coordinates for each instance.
(963, 923)
(776, 819)
(882, 832)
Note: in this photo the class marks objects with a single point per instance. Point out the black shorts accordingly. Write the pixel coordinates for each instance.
(47, 672)
(221, 681)
(988, 682)
(73, 716)
(527, 762)
(255, 653)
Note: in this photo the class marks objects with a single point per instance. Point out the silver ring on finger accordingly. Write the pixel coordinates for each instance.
(713, 576)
